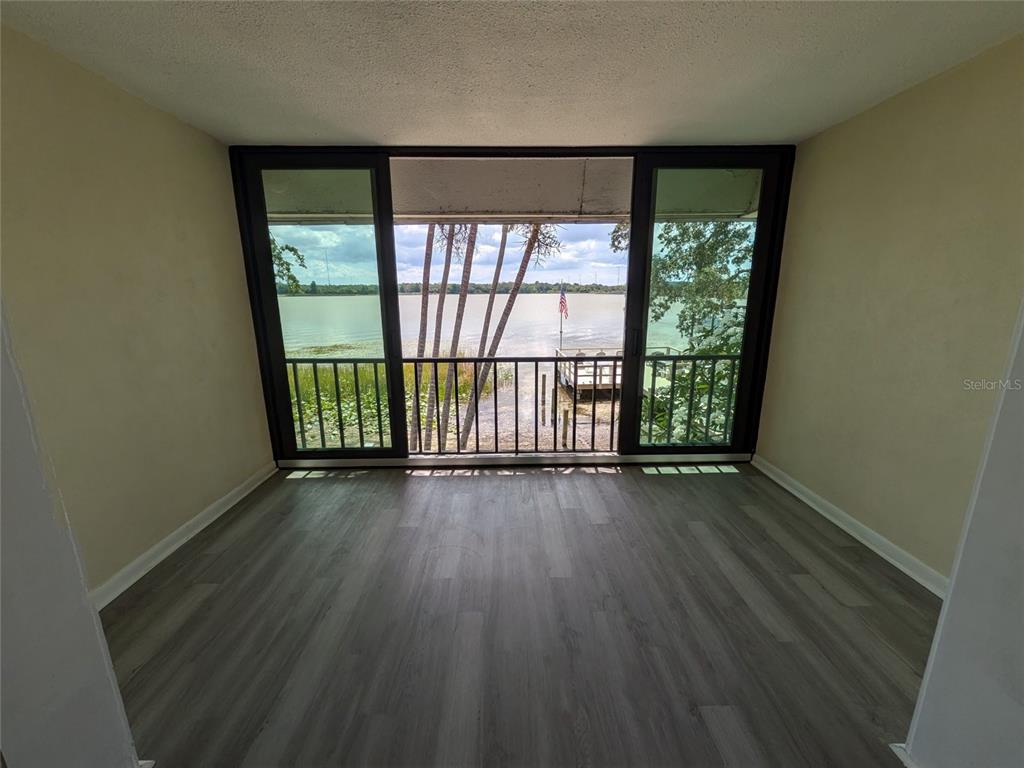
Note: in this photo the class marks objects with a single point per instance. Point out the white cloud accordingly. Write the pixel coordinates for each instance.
(585, 251)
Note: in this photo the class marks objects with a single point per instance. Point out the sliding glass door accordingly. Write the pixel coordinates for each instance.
(322, 275)
(701, 283)
(703, 240)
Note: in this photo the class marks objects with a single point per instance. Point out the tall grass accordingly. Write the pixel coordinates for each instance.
(355, 412)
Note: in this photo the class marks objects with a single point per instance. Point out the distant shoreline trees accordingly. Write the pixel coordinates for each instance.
(503, 287)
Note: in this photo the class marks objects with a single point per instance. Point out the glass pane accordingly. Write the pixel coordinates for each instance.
(493, 295)
(323, 244)
(704, 225)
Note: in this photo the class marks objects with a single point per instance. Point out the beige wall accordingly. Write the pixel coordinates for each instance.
(124, 291)
(902, 273)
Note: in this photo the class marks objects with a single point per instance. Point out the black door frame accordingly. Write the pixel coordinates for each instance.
(247, 164)
(776, 162)
(776, 165)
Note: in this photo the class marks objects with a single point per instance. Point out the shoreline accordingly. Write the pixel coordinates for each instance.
(320, 295)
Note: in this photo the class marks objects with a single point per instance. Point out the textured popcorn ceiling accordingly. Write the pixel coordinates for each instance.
(518, 74)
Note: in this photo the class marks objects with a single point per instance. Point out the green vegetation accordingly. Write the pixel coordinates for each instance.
(323, 377)
(286, 280)
(703, 269)
(366, 404)
(701, 427)
(334, 350)
(313, 289)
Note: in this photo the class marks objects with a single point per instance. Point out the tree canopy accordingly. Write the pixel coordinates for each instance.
(283, 274)
(703, 269)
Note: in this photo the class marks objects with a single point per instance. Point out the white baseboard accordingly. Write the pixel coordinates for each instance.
(923, 574)
(144, 563)
(901, 753)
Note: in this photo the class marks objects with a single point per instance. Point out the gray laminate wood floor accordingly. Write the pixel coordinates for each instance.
(531, 617)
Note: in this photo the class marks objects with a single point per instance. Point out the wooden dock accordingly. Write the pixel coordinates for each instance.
(600, 375)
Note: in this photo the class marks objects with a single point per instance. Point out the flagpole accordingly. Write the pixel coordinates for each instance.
(560, 315)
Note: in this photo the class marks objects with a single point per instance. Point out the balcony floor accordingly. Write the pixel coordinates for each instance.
(536, 616)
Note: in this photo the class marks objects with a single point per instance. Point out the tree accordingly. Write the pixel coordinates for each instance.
(428, 252)
(541, 240)
(703, 269)
(494, 290)
(421, 342)
(454, 234)
(620, 236)
(283, 267)
(313, 290)
(452, 376)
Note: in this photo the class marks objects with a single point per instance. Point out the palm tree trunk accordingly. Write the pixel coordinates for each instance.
(494, 290)
(438, 317)
(485, 369)
(451, 379)
(421, 343)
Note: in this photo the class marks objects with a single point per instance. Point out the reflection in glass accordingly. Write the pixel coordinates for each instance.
(704, 226)
(323, 245)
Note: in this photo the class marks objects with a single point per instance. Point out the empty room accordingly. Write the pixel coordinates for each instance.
(512, 384)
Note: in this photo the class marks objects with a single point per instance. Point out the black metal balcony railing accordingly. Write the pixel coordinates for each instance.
(568, 402)
(688, 399)
(513, 404)
(339, 402)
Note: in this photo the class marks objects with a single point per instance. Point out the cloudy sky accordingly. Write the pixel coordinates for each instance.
(345, 254)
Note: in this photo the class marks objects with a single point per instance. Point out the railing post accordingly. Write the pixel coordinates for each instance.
(380, 416)
(544, 398)
(611, 409)
(671, 403)
(359, 404)
(727, 425)
(476, 406)
(711, 394)
(593, 408)
(689, 399)
(437, 411)
(650, 402)
(494, 379)
(298, 403)
(337, 405)
(536, 411)
(515, 406)
(319, 405)
(575, 398)
(416, 369)
(554, 409)
(458, 423)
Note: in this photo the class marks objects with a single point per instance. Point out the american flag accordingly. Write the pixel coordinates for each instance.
(563, 304)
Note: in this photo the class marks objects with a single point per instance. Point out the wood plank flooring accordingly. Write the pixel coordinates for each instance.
(521, 617)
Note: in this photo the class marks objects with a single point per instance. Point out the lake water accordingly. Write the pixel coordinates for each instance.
(350, 325)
